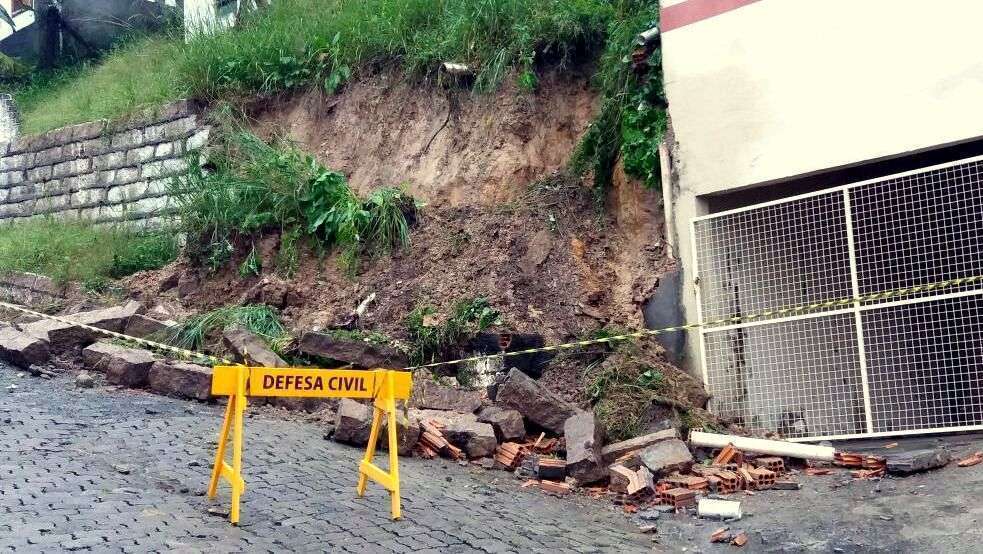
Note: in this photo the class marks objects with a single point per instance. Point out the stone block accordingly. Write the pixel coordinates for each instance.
(55, 187)
(140, 155)
(164, 150)
(428, 393)
(39, 174)
(16, 161)
(127, 139)
(22, 349)
(507, 423)
(914, 461)
(24, 192)
(79, 182)
(407, 434)
(181, 379)
(351, 351)
(180, 128)
(51, 204)
(126, 175)
(142, 326)
(616, 450)
(667, 456)
(129, 367)
(198, 140)
(249, 349)
(584, 438)
(353, 422)
(4, 194)
(49, 156)
(72, 167)
(96, 356)
(96, 147)
(111, 160)
(164, 168)
(87, 131)
(537, 404)
(65, 336)
(88, 197)
(475, 438)
(125, 193)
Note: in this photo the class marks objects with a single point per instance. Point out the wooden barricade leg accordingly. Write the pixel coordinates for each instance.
(385, 403)
(363, 477)
(393, 450)
(223, 437)
(232, 423)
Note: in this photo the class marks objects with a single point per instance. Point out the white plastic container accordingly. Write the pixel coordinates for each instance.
(719, 509)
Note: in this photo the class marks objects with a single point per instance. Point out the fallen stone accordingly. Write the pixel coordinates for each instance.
(616, 450)
(129, 367)
(84, 380)
(187, 284)
(667, 456)
(428, 393)
(353, 423)
(142, 326)
(475, 438)
(914, 461)
(537, 404)
(619, 477)
(507, 423)
(407, 434)
(95, 357)
(350, 351)
(180, 379)
(22, 349)
(65, 336)
(584, 438)
(249, 349)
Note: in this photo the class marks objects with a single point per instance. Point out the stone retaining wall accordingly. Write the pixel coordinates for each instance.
(106, 173)
(36, 291)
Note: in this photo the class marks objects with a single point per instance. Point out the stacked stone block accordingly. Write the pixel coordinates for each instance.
(101, 172)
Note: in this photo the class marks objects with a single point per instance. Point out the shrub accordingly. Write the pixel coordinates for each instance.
(80, 251)
(621, 389)
(433, 341)
(195, 333)
(251, 187)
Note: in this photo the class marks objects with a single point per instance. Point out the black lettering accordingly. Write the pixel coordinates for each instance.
(267, 381)
(279, 381)
(332, 383)
(318, 384)
(361, 385)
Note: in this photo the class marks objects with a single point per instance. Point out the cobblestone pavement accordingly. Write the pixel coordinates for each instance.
(125, 471)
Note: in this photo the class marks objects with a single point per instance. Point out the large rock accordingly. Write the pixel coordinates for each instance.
(475, 438)
(667, 456)
(95, 357)
(537, 404)
(350, 351)
(249, 349)
(181, 379)
(584, 438)
(66, 337)
(22, 349)
(616, 450)
(130, 367)
(429, 394)
(353, 422)
(142, 326)
(507, 423)
(407, 434)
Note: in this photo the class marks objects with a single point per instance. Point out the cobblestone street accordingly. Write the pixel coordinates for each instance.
(111, 471)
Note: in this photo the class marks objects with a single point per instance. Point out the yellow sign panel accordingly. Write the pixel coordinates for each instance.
(384, 387)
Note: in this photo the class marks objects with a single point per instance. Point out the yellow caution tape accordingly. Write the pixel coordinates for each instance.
(778, 312)
(189, 354)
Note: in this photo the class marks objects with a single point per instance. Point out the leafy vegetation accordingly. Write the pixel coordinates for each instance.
(80, 251)
(632, 118)
(252, 187)
(621, 389)
(196, 332)
(434, 340)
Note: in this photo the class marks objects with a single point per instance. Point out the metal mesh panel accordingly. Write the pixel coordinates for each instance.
(925, 364)
(777, 256)
(800, 377)
(919, 229)
(910, 363)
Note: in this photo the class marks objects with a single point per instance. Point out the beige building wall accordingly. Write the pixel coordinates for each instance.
(764, 90)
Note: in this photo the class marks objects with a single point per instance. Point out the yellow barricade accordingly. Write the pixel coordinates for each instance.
(237, 382)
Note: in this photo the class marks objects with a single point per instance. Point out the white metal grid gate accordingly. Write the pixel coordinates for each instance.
(908, 365)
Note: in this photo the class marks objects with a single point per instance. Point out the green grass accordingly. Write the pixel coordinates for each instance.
(253, 187)
(196, 332)
(621, 390)
(433, 339)
(78, 251)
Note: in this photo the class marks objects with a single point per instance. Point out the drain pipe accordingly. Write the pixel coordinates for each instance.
(763, 446)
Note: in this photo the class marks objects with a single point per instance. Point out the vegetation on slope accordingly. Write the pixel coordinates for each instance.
(79, 251)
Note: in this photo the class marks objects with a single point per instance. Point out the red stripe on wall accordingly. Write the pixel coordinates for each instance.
(692, 11)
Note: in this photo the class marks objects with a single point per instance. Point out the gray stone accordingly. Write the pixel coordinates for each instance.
(163, 168)
(353, 422)
(39, 174)
(355, 352)
(126, 175)
(584, 438)
(127, 139)
(181, 379)
(537, 404)
(142, 326)
(428, 393)
(475, 438)
(188, 283)
(22, 349)
(112, 160)
(615, 450)
(197, 140)
(84, 381)
(140, 155)
(507, 423)
(95, 357)
(915, 461)
(249, 349)
(129, 367)
(667, 456)
(407, 434)
(65, 336)
(73, 167)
